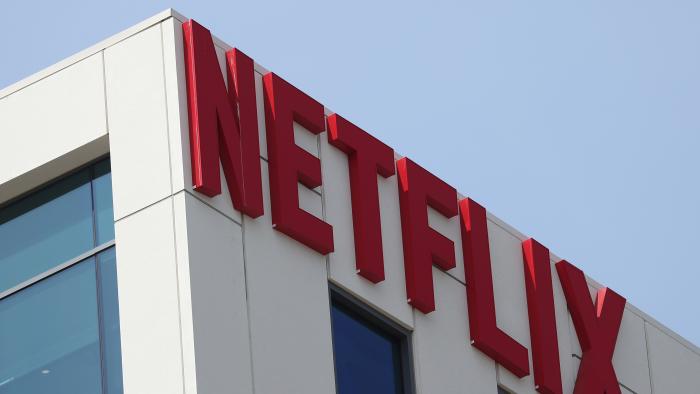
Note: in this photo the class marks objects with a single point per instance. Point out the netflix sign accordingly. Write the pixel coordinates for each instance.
(224, 131)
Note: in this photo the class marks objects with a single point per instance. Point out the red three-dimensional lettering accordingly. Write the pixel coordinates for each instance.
(290, 165)
(422, 245)
(223, 124)
(543, 324)
(367, 157)
(484, 332)
(596, 326)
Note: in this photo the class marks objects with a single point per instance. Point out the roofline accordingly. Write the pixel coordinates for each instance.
(85, 53)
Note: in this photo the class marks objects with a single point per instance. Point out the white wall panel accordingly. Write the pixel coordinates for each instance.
(388, 296)
(182, 257)
(138, 124)
(450, 228)
(289, 310)
(445, 361)
(306, 140)
(148, 301)
(52, 117)
(675, 369)
(218, 298)
(176, 100)
(630, 357)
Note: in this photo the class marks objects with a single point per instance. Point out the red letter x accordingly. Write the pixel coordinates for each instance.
(596, 326)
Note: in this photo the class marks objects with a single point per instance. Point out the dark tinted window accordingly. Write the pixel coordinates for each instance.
(368, 357)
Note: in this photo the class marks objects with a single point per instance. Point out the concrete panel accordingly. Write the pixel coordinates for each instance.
(182, 257)
(52, 117)
(138, 124)
(218, 297)
(675, 369)
(176, 100)
(451, 229)
(388, 296)
(310, 200)
(148, 301)
(306, 140)
(54, 168)
(630, 357)
(445, 362)
(289, 310)
(510, 297)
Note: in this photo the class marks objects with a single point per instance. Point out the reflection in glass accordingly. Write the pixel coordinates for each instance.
(49, 335)
(45, 229)
(367, 359)
(102, 196)
(109, 306)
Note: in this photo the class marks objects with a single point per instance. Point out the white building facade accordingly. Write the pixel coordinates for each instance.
(211, 300)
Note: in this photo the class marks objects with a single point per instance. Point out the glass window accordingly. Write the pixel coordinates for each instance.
(60, 327)
(102, 200)
(45, 229)
(109, 332)
(49, 335)
(55, 224)
(368, 355)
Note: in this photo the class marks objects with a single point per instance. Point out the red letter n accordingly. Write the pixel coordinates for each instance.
(367, 157)
(485, 334)
(423, 246)
(223, 124)
(596, 326)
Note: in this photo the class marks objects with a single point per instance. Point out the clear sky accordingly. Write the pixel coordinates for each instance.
(577, 122)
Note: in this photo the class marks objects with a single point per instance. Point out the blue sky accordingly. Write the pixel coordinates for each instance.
(576, 122)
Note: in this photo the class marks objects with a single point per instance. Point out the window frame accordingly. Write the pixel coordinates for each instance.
(350, 302)
(95, 253)
(56, 269)
(57, 179)
(77, 259)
